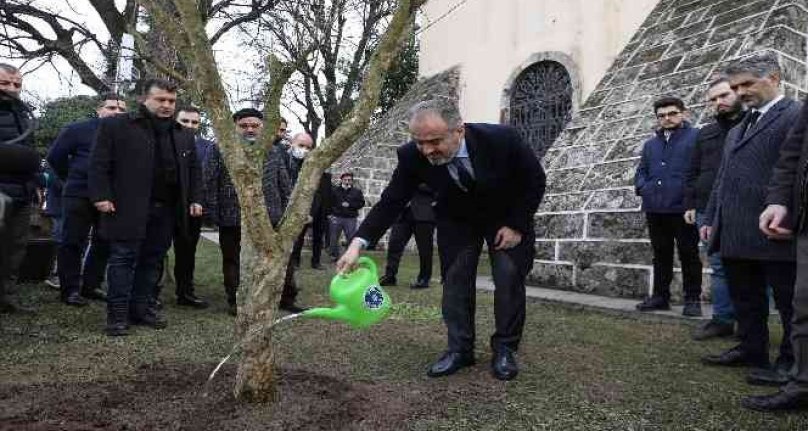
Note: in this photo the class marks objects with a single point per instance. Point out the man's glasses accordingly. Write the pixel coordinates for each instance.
(187, 121)
(668, 114)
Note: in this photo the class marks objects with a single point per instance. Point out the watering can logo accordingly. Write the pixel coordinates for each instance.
(360, 300)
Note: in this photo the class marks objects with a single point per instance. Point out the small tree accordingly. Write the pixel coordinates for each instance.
(266, 250)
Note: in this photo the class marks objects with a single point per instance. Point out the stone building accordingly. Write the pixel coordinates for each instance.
(577, 79)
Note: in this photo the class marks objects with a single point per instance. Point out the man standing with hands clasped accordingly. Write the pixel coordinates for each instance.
(488, 185)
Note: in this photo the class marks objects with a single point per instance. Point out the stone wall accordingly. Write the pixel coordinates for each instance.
(592, 234)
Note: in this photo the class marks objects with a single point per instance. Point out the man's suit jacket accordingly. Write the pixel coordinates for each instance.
(741, 188)
(422, 205)
(788, 183)
(509, 184)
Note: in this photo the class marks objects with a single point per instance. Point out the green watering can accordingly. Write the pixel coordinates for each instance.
(361, 302)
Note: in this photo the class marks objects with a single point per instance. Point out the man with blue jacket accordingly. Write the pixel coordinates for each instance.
(660, 182)
(69, 157)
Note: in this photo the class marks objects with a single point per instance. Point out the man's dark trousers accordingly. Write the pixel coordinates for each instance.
(799, 331)
(400, 235)
(749, 281)
(459, 245)
(134, 264)
(13, 242)
(666, 230)
(230, 245)
(80, 218)
(319, 224)
(185, 244)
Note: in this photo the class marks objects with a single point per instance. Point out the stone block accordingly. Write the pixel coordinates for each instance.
(647, 126)
(611, 175)
(596, 98)
(573, 157)
(661, 67)
(589, 135)
(648, 55)
(614, 199)
(626, 148)
(794, 72)
(689, 43)
(696, 27)
(568, 137)
(564, 202)
(777, 38)
(620, 225)
(560, 226)
(695, 15)
(740, 11)
(709, 55)
(619, 94)
(623, 110)
(565, 180)
(587, 253)
(790, 16)
(737, 29)
(545, 250)
(613, 281)
(584, 117)
(551, 275)
(625, 76)
(616, 130)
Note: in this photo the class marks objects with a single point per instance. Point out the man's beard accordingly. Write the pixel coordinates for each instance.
(733, 112)
(439, 161)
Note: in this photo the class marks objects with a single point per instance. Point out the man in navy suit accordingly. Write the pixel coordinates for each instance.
(488, 185)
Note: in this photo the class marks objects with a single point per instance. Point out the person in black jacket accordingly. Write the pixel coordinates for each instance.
(488, 184)
(699, 183)
(143, 174)
(347, 201)
(418, 219)
(19, 169)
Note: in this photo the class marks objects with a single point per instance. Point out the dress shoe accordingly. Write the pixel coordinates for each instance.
(292, 308)
(714, 329)
(95, 294)
(692, 309)
(653, 303)
(147, 315)
(780, 401)
(191, 300)
(232, 309)
(117, 323)
(733, 357)
(74, 300)
(317, 266)
(53, 282)
(503, 365)
(450, 363)
(387, 280)
(420, 284)
(767, 377)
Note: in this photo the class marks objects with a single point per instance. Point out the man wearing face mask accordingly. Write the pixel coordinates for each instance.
(143, 175)
(347, 201)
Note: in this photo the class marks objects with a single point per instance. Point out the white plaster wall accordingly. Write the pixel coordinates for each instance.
(490, 39)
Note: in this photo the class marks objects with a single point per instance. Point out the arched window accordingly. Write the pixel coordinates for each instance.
(541, 104)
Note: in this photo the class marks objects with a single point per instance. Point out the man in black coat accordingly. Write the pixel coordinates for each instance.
(753, 261)
(19, 167)
(699, 183)
(143, 175)
(488, 185)
(347, 200)
(418, 219)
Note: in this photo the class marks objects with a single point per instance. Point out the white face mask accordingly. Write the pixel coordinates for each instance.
(298, 152)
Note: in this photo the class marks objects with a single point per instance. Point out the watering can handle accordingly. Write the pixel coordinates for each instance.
(369, 264)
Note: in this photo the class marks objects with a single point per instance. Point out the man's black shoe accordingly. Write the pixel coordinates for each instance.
(9, 306)
(190, 300)
(292, 308)
(317, 266)
(714, 329)
(767, 377)
(420, 284)
(74, 300)
(232, 309)
(777, 402)
(503, 365)
(653, 303)
(95, 294)
(692, 309)
(117, 323)
(733, 357)
(450, 363)
(147, 315)
(387, 280)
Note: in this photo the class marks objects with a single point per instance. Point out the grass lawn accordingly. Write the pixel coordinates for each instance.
(580, 371)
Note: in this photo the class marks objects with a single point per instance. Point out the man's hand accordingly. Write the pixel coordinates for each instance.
(105, 207)
(196, 210)
(705, 233)
(690, 216)
(507, 238)
(771, 221)
(347, 262)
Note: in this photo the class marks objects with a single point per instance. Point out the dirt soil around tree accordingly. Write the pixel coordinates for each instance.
(581, 370)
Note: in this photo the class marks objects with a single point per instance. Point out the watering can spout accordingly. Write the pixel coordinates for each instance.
(338, 313)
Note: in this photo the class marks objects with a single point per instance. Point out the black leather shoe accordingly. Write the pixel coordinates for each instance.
(292, 308)
(73, 299)
(190, 300)
(653, 303)
(9, 306)
(148, 315)
(733, 357)
(692, 309)
(504, 366)
(317, 266)
(778, 402)
(420, 284)
(767, 377)
(94, 294)
(450, 363)
(117, 323)
(387, 280)
(714, 329)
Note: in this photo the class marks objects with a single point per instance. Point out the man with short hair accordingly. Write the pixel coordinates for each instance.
(69, 156)
(728, 112)
(488, 185)
(659, 181)
(185, 242)
(754, 262)
(19, 167)
(143, 173)
(345, 206)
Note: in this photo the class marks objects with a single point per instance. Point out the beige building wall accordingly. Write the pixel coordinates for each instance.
(492, 40)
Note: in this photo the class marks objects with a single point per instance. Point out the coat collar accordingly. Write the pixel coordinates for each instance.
(771, 115)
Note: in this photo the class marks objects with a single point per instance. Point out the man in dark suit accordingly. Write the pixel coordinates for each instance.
(143, 174)
(753, 261)
(418, 219)
(488, 185)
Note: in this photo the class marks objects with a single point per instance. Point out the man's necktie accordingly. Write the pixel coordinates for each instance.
(754, 116)
(463, 177)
